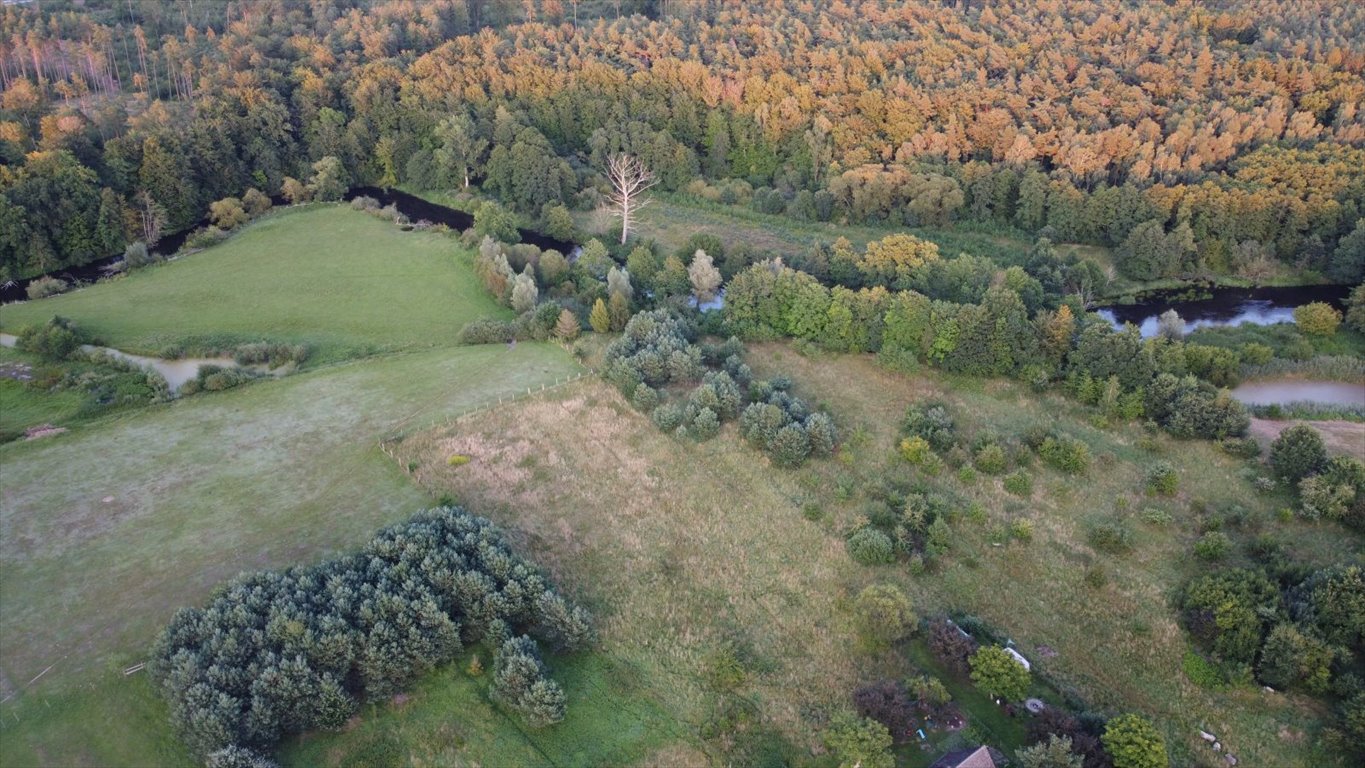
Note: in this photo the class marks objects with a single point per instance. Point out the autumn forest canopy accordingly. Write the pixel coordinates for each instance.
(1197, 139)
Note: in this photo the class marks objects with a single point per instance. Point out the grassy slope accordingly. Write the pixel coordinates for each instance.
(275, 473)
(682, 548)
(337, 279)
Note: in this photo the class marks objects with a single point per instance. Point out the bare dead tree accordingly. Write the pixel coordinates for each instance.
(630, 183)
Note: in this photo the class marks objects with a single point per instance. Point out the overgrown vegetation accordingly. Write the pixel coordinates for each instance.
(656, 359)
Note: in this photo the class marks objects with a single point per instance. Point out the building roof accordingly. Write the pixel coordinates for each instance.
(966, 758)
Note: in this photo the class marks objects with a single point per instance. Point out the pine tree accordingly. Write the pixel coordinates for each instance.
(567, 328)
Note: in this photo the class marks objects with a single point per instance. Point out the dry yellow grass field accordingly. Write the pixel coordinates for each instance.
(683, 548)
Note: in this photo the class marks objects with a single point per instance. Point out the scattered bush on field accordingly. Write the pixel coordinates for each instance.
(990, 458)
(1019, 483)
(883, 616)
(280, 652)
(1110, 535)
(56, 339)
(931, 421)
(1297, 453)
(1161, 479)
(1065, 453)
(1213, 545)
(870, 546)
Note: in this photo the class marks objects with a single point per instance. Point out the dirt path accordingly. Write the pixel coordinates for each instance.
(1341, 437)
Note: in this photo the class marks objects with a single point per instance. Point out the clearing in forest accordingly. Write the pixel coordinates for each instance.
(337, 279)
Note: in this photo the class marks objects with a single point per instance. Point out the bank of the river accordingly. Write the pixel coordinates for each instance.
(1208, 306)
(175, 372)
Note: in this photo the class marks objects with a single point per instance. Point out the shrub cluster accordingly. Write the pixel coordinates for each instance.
(656, 355)
(42, 287)
(270, 354)
(280, 652)
(215, 378)
(56, 339)
(1328, 488)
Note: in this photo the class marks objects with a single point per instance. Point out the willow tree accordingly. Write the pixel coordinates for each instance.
(630, 181)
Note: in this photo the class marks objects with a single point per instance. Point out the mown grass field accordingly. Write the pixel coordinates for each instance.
(341, 281)
(105, 531)
(683, 549)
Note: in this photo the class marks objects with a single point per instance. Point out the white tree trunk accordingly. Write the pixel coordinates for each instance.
(630, 181)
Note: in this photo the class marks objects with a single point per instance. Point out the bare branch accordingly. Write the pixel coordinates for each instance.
(630, 181)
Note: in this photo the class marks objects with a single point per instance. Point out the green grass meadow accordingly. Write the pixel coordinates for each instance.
(341, 281)
(111, 527)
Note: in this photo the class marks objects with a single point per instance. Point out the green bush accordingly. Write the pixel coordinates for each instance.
(883, 615)
(790, 446)
(998, 674)
(1156, 516)
(931, 421)
(990, 458)
(859, 741)
(1019, 483)
(1297, 453)
(1162, 479)
(1065, 453)
(522, 683)
(706, 424)
(1200, 672)
(915, 450)
(1133, 742)
(54, 340)
(870, 546)
(1240, 447)
(1318, 318)
(1110, 535)
(1213, 545)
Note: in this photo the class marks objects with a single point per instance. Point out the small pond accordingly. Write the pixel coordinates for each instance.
(1223, 306)
(1285, 391)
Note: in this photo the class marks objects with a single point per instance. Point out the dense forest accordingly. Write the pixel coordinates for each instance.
(1196, 139)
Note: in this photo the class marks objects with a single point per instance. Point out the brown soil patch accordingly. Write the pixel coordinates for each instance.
(1342, 437)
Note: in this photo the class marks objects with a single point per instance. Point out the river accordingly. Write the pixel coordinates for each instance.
(1285, 391)
(1224, 306)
